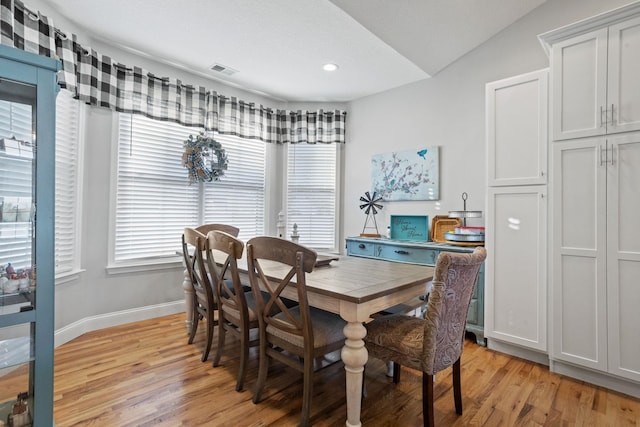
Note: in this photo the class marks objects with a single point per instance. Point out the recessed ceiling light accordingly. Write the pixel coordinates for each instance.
(329, 67)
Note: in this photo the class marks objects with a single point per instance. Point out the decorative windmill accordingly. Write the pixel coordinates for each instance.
(370, 205)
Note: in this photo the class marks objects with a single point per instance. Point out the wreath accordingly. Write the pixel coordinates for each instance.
(198, 152)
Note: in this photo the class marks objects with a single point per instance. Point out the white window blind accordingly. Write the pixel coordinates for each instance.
(238, 198)
(16, 172)
(67, 212)
(153, 199)
(311, 193)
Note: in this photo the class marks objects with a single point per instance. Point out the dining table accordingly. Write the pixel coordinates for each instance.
(355, 288)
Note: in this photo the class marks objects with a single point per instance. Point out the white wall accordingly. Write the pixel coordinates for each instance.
(448, 110)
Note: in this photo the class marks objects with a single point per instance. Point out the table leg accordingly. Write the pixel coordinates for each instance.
(354, 355)
(188, 299)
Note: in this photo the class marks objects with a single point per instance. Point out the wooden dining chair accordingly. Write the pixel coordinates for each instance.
(435, 342)
(236, 307)
(297, 335)
(194, 246)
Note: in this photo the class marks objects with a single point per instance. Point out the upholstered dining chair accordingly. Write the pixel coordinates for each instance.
(435, 342)
(236, 307)
(194, 246)
(295, 336)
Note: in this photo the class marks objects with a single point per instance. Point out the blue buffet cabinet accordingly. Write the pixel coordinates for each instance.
(425, 253)
(28, 90)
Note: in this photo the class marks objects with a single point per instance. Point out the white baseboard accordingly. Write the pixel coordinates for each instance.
(517, 351)
(600, 379)
(93, 323)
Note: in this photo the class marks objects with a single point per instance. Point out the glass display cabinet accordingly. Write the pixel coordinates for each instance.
(28, 90)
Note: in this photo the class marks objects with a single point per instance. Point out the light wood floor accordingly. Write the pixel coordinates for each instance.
(145, 374)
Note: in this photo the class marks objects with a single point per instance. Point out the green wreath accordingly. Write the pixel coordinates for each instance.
(198, 152)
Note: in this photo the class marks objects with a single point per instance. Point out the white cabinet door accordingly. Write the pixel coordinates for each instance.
(579, 86)
(623, 95)
(517, 130)
(579, 298)
(623, 255)
(515, 270)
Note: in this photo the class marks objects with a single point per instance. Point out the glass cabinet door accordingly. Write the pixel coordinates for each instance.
(27, 187)
(17, 195)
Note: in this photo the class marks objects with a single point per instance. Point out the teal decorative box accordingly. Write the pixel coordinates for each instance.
(410, 227)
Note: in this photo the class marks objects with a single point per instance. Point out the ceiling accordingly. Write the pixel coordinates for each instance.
(278, 47)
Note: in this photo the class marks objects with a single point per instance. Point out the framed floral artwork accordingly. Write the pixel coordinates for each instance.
(407, 175)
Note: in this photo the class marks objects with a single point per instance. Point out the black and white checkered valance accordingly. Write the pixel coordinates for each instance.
(99, 80)
(312, 127)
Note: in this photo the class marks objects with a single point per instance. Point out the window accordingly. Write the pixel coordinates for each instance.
(154, 200)
(15, 229)
(311, 193)
(238, 198)
(68, 184)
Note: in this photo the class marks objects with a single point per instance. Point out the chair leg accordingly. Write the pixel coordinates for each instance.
(457, 390)
(364, 385)
(205, 354)
(244, 355)
(307, 391)
(396, 373)
(427, 399)
(222, 332)
(262, 370)
(194, 324)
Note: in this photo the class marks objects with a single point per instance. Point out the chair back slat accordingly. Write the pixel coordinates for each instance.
(229, 229)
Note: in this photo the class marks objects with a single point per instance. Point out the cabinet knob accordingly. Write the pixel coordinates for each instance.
(361, 246)
(401, 252)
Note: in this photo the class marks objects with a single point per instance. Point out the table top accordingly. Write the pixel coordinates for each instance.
(355, 279)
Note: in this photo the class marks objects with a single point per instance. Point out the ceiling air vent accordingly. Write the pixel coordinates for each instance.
(223, 69)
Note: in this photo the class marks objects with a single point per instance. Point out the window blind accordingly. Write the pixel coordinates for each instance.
(238, 198)
(153, 199)
(311, 193)
(67, 211)
(15, 186)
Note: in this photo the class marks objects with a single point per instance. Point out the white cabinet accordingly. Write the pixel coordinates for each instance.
(595, 186)
(516, 212)
(515, 278)
(596, 253)
(517, 130)
(595, 88)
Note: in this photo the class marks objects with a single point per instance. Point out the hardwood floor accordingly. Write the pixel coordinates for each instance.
(145, 374)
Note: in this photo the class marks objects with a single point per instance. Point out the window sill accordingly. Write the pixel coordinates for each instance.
(69, 276)
(144, 266)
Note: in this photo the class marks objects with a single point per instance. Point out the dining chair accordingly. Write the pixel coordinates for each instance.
(295, 336)
(194, 245)
(236, 307)
(435, 342)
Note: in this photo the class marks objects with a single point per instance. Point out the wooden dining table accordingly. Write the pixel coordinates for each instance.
(355, 288)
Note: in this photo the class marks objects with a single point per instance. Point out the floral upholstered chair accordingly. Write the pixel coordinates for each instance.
(435, 342)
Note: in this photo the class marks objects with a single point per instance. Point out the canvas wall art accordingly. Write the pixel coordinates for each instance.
(407, 175)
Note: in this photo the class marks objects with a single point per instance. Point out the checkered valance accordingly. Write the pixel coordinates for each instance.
(99, 80)
(311, 127)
